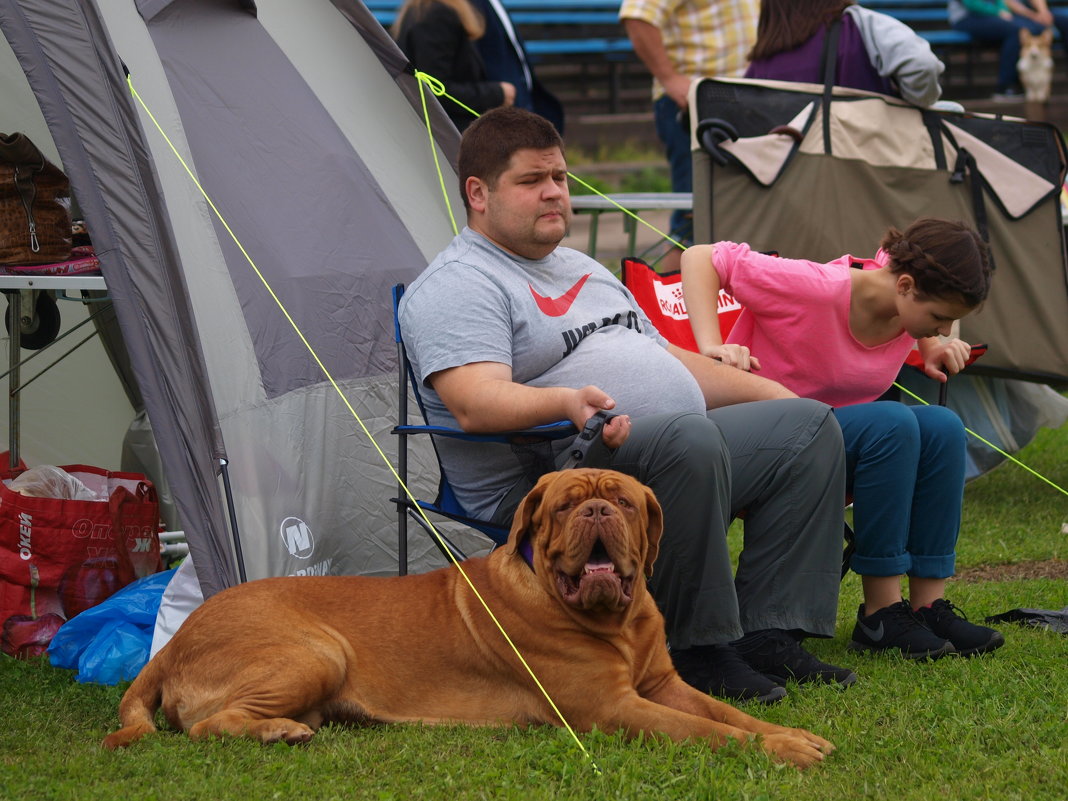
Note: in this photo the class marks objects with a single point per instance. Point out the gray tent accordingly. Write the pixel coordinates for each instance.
(298, 120)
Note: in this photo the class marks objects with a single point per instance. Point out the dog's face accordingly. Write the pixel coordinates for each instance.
(1035, 46)
(594, 533)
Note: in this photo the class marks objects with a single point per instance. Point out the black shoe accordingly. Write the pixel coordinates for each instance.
(779, 656)
(897, 626)
(947, 621)
(718, 669)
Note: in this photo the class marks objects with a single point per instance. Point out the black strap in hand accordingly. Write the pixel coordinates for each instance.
(587, 438)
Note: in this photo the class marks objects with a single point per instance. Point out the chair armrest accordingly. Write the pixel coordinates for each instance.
(548, 431)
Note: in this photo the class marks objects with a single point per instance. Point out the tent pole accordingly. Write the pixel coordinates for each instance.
(223, 463)
(402, 464)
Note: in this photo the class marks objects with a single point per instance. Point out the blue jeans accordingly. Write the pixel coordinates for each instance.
(992, 28)
(905, 469)
(676, 139)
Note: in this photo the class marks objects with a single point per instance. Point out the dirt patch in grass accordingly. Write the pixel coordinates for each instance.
(1044, 569)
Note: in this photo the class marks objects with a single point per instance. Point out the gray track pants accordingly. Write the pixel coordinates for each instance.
(779, 462)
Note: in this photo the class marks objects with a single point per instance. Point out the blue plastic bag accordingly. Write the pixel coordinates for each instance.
(109, 642)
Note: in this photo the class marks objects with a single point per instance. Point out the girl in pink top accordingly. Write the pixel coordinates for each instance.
(840, 335)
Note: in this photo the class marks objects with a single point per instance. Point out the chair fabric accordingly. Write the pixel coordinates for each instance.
(445, 504)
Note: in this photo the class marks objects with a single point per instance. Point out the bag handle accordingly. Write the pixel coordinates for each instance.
(828, 68)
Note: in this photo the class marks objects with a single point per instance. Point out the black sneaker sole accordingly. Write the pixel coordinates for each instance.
(996, 641)
(947, 650)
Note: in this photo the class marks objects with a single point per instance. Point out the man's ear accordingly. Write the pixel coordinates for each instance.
(477, 193)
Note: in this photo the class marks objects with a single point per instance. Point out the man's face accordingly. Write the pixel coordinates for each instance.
(528, 210)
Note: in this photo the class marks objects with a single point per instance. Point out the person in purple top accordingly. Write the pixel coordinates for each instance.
(875, 52)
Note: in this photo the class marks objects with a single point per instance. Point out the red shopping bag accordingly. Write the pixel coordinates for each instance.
(59, 557)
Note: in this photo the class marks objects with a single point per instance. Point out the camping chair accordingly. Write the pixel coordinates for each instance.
(446, 505)
(660, 296)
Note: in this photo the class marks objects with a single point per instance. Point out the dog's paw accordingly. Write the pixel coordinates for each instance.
(790, 747)
(281, 729)
(826, 746)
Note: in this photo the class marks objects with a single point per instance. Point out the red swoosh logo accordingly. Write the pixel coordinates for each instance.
(558, 307)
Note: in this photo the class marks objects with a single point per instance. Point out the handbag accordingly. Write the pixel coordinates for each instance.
(35, 226)
(61, 556)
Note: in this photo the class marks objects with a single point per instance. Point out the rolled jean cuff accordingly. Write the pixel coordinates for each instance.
(936, 567)
(881, 565)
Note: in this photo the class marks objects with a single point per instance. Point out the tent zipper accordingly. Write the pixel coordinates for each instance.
(27, 204)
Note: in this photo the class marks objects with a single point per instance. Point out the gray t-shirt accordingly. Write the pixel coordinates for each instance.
(559, 321)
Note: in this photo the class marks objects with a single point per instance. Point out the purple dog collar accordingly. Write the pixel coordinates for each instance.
(526, 550)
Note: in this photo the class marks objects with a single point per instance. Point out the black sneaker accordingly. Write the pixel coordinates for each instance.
(778, 655)
(897, 626)
(946, 620)
(718, 669)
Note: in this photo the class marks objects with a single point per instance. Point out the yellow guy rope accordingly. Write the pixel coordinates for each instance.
(356, 416)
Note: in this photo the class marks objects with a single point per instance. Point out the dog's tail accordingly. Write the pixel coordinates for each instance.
(137, 710)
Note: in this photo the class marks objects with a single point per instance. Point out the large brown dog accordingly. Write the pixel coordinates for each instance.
(275, 658)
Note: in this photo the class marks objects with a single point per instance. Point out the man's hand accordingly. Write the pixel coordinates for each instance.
(616, 431)
(586, 402)
(677, 88)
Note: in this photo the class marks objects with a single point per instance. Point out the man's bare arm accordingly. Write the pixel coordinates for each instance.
(723, 385)
(484, 399)
(649, 47)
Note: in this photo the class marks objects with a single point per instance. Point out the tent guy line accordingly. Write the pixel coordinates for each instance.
(330, 378)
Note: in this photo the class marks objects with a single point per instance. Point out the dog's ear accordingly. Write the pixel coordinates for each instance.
(654, 530)
(524, 515)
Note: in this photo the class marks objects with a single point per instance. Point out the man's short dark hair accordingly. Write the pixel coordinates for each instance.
(488, 144)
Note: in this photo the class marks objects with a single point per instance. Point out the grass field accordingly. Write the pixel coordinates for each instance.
(994, 727)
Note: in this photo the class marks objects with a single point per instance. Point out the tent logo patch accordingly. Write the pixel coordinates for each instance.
(297, 537)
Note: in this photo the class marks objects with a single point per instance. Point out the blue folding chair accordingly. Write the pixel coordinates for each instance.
(445, 505)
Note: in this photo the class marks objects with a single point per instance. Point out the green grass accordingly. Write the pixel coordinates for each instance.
(994, 727)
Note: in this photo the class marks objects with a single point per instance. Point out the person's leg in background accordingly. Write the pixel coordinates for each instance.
(992, 28)
(672, 127)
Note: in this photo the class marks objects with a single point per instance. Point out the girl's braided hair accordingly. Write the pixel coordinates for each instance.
(946, 259)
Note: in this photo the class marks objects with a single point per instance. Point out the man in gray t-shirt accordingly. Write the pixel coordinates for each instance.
(507, 330)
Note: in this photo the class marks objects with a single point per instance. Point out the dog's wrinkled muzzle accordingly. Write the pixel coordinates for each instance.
(592, 575)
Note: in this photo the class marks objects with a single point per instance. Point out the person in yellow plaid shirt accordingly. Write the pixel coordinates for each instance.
(678, 41)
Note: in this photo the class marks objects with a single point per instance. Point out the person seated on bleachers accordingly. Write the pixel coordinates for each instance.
(1000, 21)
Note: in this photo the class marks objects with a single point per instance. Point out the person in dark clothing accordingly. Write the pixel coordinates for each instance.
(505, 55)
(439, 36)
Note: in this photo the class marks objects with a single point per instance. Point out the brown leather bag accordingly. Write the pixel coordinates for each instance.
(34, 205)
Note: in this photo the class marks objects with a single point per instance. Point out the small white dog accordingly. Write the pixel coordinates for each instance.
(1036, 64)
